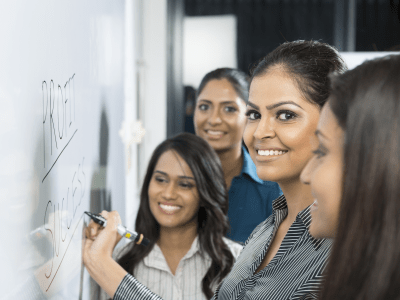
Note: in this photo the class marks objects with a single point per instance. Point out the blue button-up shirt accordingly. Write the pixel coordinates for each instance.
(250, 200)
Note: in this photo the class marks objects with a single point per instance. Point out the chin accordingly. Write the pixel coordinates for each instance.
(266, 174)
(319, 233)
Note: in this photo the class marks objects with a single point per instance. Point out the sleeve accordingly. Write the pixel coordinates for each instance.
(130, 288)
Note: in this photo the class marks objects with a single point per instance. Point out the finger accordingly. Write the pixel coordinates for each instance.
(94, 228)
(105, 214)
(86, 250)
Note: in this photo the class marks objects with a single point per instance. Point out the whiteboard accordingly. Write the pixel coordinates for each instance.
(61, 106)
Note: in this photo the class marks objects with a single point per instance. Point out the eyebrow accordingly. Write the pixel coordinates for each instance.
(182, 177)
(269, 107)
(223, 102)
(319, 133)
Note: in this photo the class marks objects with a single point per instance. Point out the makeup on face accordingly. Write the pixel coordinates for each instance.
(219, 116)
(280, 122)
(172, 192)
(324, 173)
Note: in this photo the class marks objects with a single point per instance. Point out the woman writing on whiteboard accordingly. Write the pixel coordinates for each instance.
(280, 260)
(182, 212)
(220, 119)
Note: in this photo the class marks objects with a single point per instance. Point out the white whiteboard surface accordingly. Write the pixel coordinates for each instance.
(61, 106)
(353, 59)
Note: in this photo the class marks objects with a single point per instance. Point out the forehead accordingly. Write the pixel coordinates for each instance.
(329, 125)
(218, 89)
(274, 86)
(173, 164)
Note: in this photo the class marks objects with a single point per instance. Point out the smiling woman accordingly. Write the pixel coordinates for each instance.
(183, 206)
(220, 120)
(280, 260)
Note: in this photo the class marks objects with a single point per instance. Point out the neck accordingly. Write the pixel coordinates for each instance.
(298, 196)
(180, 239)
(232, 162)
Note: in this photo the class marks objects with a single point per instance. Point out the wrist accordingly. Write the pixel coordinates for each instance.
(107, 273)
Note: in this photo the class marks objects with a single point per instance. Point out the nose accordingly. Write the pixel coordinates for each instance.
(264, 129)
(305, 175)
(169, 191)
(215, 118)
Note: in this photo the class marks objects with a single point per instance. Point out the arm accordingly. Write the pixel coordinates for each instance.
(97, 257)
(97, 253)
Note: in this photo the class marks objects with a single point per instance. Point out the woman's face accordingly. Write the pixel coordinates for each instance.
(324, 173)
(173, 196)
(219, 117)
(281, 123)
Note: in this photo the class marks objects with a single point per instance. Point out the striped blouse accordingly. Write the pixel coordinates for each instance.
(154, 272)
(295, 272)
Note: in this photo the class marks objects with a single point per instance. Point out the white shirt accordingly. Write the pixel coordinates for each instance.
(153, 272)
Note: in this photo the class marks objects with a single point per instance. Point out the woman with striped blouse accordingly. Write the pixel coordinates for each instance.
(183, 207)
(355, 175)
(280, 260)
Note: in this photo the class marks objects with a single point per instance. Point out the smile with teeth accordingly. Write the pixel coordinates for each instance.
(170, 209)
(271, 152)
(215, 132)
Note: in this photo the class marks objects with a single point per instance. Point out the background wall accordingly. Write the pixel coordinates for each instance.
(208, 43)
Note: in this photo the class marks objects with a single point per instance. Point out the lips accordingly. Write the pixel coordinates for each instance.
(214, 134)
(271, 152)
(314, 206)
(168, 208)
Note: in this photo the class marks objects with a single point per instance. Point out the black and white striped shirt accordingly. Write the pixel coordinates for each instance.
(294, 273)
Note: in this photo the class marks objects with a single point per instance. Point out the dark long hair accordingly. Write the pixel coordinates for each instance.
(365, 259)
(212, 220)
(307, 62)
(238, 79)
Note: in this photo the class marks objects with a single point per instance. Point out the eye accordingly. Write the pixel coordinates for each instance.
(230, 109)
(253, 115)
(186, 185)
(286, 115)
(160, 179)
(203, 107)
(320, 151)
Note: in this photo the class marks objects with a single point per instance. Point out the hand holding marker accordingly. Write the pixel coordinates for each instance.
(122, 230)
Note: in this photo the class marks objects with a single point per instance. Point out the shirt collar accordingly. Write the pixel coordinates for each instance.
(249, 167)
(305, 216)
(155, 259)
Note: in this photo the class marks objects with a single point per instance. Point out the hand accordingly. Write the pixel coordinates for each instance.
(101, 241)
(97, 253)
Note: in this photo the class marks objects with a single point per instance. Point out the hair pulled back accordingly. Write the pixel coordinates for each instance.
(212, 221)
(308, 63)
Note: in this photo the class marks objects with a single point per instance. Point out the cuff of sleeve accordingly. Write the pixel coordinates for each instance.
(130, 288)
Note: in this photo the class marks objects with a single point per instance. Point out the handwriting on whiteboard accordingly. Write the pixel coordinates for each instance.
(59, 119)
(59, 217)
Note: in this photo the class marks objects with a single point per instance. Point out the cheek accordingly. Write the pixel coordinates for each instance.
(327, 188)
(199, 118)
(237, 124)
(248, 133)
(152, 192)
(299, 143)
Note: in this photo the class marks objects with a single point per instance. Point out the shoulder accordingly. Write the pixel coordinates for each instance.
(235, 248)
